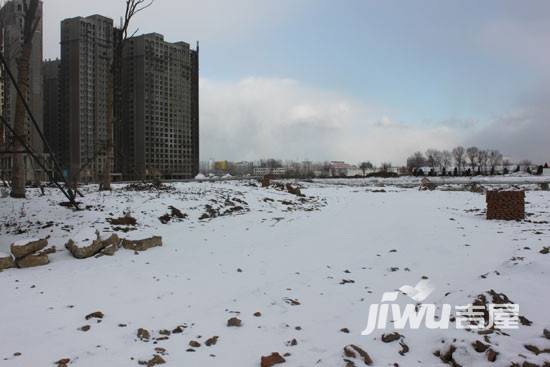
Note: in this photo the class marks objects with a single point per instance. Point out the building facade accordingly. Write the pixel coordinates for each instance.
(157, 118)
(53, 130)
(11, 38)
(86, 59)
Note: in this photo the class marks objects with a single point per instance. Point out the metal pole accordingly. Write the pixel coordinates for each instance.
(29, 151)
(26, 105)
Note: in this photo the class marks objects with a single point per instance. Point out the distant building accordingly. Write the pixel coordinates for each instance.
(262, 171)
(343, 169)
(243, 168)
(221, 166)
(11, 36)
(86, 59)
(157, 130)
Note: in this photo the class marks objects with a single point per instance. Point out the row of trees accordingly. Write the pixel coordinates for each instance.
(460, 160)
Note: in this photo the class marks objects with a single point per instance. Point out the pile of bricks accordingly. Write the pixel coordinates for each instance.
(505, 205)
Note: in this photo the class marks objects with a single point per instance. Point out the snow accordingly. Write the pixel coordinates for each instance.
(200, 176)
(276, 248)
(25, 241)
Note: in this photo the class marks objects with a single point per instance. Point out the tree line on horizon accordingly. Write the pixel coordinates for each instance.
(462, 161)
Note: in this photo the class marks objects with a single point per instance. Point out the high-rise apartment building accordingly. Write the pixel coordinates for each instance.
(53, 130)
(11, 38)
(157, 119)
(86, 59)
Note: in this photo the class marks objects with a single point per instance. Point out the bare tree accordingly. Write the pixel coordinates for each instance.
(364, 166)
(459, 155)
(446, 159)
(385, 167)
(495, 158)
(415, 161)
(120, 36)
(506, 163)
(525, 165)
(31, 19)
(472, 153)
(483, 160)
(434, 158)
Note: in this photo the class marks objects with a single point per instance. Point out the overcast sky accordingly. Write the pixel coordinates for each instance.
(357, 79)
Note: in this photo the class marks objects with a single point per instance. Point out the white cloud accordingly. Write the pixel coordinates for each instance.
(522, 134)
(282, 118)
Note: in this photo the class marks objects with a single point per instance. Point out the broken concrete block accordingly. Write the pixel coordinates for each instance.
(142, 245)
(6, 261)
(110, 250)
(21, 249)
(93, 249)
(426, 184)
(30, 261)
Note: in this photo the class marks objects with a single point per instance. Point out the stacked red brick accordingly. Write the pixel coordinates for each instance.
(505, 205)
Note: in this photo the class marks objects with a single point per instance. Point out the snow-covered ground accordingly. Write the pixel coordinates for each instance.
(311, 267)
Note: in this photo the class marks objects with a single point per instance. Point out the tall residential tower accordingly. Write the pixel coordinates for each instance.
(11, 39)
(157, 119)
(86, 59)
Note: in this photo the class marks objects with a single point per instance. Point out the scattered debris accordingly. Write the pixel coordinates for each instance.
(292, 343)
(211, 341)
(426, 184)
(93, 249)
(294, 190)
(447, 357)
(142, 245)
(292, 302)
(156, 360)
(479, 346)
(347, 281)
(234, 322)
(32, 260)
(178, 330)
(126, 220)
(21, 249)
(175, 213)
(143, 335)
(63, 362)
(266, 181)
(388, 338)
(143, 186)
(84, 328)
(404, 348)
(353, 351)
(271, 360)
(491, 355)
(536, 350)
(6, 261)
(95, 315)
